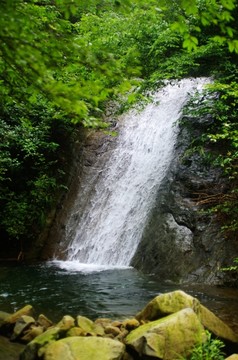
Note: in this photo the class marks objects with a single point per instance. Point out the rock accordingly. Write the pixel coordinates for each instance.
(112, 330)
(76, 331)
(89, 327)
(44, 321)
(166, 304)
(66, 323)
(31, 350)
(172, 302)
(3, 316)
(168, 338)
(26, 310)
(130, 324)
(9, 350)
(32, 333)
(232, 357)
(7, 324)
(215, 325)
(85, 324)
(85, 348)
(21, 325)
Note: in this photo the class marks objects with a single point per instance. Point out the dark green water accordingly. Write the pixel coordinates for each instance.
(114, 293)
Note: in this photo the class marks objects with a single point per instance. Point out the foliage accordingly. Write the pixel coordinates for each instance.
(232, 267)
(211, 349)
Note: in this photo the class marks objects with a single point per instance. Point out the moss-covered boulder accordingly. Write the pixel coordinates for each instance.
(172, 302)
(168, 338)
(166, 304)
(85, 348)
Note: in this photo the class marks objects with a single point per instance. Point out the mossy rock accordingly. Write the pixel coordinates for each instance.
(85, 348)
(168, 338)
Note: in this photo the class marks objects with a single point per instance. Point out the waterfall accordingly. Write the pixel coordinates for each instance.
(111, 226)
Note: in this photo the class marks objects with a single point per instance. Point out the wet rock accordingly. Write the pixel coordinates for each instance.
(174, 335)
(85, 348)
(21, 325)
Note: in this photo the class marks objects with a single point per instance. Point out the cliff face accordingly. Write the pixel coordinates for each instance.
(181, 242)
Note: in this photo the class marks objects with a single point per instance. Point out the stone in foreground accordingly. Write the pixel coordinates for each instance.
(168, 338)
(172, 302)
(85, 348)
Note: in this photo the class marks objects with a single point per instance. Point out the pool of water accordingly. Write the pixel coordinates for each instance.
(57, 289)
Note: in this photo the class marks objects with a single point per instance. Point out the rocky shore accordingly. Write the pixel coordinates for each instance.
(169, 328)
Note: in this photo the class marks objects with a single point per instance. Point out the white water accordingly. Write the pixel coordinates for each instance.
(113, 221)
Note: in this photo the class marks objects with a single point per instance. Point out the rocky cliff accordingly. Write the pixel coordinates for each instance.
(181, 242)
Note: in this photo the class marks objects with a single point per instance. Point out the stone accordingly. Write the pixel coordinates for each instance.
(215, 325)
(85, 348)
(31, 350)
(66, 323)
(86, 324)
(130, 324)
(172, 302)
(168, 338)
(112, 330)
(166, 304)
(44, 321)
(9, 321)
(26, 310)
(21, 325)
(76, 331)
(232, 357)
(9, 350)
(32, 333)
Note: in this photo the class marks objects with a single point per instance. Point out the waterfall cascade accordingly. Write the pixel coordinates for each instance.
(112, 223)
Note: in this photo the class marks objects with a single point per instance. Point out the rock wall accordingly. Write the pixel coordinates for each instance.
(180, 242)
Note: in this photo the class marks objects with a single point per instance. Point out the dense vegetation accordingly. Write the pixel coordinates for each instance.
(62, 61)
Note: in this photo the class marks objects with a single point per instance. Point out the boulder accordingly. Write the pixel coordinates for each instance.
(85, 348)
(172, 302)
(232, 357)
(166, 304)
(168, 338)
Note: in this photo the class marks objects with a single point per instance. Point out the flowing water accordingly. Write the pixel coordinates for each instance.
(114, 217)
